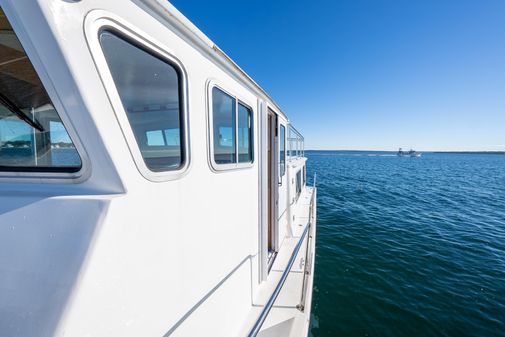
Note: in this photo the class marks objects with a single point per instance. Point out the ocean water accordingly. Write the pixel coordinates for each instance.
(409, 246)
(24, 156)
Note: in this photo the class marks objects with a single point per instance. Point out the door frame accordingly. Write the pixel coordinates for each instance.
(273, 179)
(269, 187)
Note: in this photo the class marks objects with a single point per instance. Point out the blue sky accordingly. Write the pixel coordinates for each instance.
(374, 74)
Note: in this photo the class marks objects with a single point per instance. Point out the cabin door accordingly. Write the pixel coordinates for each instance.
(272, 231)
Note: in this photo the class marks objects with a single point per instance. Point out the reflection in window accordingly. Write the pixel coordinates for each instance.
(226, 137)
(244, 134)
(232, 129)
(298, 184)
(168, 137)
(282, 146)
(223, 120)
(32, 136)
(155, 138)
(304, 176)
(172, 137)
(149, 88)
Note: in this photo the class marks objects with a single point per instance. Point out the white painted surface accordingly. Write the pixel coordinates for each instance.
(109, 252)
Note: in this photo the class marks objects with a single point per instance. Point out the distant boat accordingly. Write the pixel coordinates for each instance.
(410, 153)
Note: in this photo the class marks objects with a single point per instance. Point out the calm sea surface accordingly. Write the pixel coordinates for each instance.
(409, 246)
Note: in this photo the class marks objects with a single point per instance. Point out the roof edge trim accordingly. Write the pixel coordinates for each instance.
(173, 16)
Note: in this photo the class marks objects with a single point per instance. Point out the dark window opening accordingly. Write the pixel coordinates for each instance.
(223, 117)
(232, 126)
(32, 135)
(298, 183)
(150, 91)
(282, 146)
(244, 134)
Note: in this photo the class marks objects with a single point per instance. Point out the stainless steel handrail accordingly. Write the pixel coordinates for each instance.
(308, 259)
(266, 309)
(296, 142)
(268, 306)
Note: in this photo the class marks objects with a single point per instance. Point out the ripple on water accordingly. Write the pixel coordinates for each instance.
(409, 246)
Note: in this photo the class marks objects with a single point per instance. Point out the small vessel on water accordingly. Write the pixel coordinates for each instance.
(148, 186)
(410, 153)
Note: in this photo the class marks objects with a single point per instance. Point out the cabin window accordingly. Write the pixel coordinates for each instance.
(223, 108)
(282, 147)
(244, 134)
(304, 175)
(298, 183)
(231, 129)
(32, 135)
(150, 91)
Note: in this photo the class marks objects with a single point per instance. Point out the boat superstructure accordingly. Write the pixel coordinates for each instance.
(148, 186)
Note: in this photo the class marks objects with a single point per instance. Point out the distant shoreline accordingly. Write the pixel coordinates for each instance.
(386, 151)
(468, 152)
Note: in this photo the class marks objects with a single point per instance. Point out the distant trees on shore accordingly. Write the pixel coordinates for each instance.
(28, 143)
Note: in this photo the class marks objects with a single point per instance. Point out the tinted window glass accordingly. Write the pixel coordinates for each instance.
(298, 183)
(149, 88)
(32, 136)
(223, 118)
(244, 134)
(282, 146)
(172, 137)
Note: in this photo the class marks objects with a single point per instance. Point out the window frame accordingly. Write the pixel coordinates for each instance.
(100, 21)
(55, 174)
(304, 175)
(211, 84)
(298, 182)
(250, 129)
(282, 173)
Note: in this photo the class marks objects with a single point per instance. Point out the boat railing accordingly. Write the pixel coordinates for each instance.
(296, 142)
(301, 306)
(307, 267)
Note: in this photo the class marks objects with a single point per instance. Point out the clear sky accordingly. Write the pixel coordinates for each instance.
(376, 74)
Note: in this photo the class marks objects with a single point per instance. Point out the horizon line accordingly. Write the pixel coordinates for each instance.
(423, 151)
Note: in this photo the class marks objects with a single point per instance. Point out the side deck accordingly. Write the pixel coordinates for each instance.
(285, 299)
